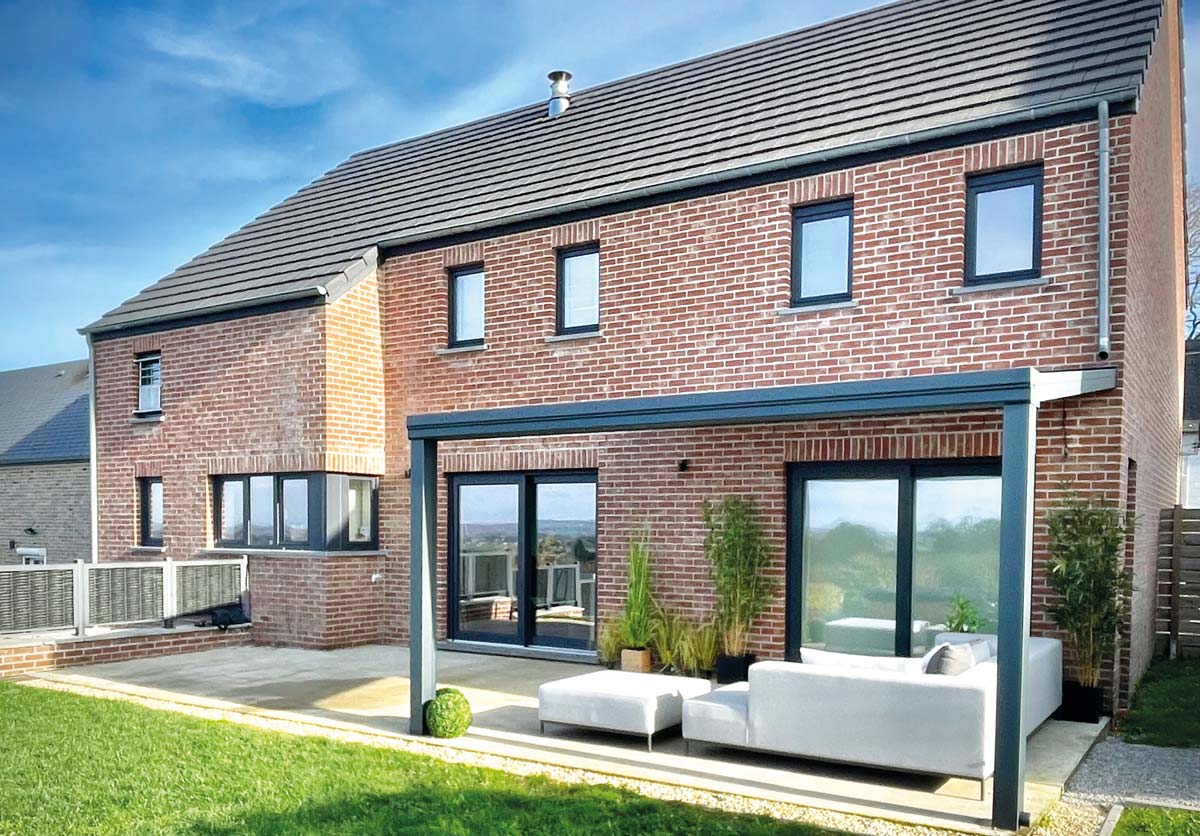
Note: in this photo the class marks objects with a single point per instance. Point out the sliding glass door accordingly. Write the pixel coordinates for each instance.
(523, 559)
(876, 545)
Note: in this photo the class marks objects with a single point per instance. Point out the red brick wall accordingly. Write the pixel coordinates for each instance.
(42, 656)
(1148, 250)
(317, 602)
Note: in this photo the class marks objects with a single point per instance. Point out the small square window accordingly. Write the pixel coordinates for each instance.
(466, 306)
(149, 383)
(821, 253)
(578, 308)
(150, 512)
(1004, 226)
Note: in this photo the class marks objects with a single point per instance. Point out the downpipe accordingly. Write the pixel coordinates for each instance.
(1103, 303)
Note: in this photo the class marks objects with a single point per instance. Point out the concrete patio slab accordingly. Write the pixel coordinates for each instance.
(365, 689)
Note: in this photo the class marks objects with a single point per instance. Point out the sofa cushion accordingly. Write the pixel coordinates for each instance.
(951, 660)
(830, 659)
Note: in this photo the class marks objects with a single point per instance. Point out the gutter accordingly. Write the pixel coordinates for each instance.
(93, 477)
(1103, 303)
(771, 166)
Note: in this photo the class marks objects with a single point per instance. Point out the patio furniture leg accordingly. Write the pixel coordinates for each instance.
(687, 747)
(541, 727)
(650, 742)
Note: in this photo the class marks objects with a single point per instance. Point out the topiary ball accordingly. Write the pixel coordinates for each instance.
(448, 714)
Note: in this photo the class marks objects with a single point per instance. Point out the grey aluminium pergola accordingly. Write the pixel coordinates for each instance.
(1016, 392)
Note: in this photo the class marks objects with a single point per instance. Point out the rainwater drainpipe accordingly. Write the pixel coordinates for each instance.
(93, 476)
(1102, 297)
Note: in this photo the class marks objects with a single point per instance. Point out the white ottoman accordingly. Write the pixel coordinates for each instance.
(634, 703)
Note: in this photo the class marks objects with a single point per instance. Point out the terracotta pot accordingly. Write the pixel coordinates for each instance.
(636, 661)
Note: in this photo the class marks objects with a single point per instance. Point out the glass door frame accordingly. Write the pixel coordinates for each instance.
(905, 472)
(526, 482)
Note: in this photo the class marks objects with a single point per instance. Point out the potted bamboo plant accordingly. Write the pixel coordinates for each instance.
(637, 619)
(1086, 570)
(739, 558)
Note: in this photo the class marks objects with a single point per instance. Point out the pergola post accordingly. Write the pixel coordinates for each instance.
(422, 655)
(1016, 574)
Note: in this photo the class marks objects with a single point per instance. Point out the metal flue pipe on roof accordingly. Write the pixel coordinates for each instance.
(560, 92)
(1103, 342)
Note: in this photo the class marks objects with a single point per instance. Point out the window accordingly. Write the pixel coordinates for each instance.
(466, 306)
(578, 308)
(887, 544)
(360, 511)
(151, 512)
(149, 383)
(320, 511)
(1004, 226)
(263, 512)
(523, 559)
(821, 253)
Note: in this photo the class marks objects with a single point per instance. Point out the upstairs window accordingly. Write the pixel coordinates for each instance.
(151, 512)
(466, 307)
(578, 308)
(1004, 226)
(821, 253)
(149, 383)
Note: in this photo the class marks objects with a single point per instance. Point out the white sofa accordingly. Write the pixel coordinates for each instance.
(877, 711)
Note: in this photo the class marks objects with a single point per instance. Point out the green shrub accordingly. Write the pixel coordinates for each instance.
(637, 619)
(1087, 570)
(448, 714)
(963, 616)
(700, 649)
(740, 559)
(610, 643)
(668, 639)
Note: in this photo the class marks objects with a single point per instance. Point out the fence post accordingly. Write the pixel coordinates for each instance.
(1176, 577)
(244, 563)
(79, 592)
(170, 593)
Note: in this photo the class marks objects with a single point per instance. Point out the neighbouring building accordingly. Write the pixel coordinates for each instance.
(1189, 450)
(913, 193)
(45, 484)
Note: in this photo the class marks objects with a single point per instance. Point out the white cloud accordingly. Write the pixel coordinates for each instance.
(270, 65)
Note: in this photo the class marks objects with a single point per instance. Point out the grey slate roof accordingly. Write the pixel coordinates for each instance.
(888, 76)
(44, 414)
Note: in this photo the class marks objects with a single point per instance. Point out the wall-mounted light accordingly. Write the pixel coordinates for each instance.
(31, 531)
(684, 464)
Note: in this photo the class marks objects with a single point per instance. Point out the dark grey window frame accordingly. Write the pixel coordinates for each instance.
(327, 512)
(821, 212)
(906, 472)
(526, 482)
(560, 297)
(998, 181)
(452, 277)
(144, 538)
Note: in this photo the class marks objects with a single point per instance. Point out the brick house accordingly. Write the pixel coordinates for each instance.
(45, 482)
(859, 207)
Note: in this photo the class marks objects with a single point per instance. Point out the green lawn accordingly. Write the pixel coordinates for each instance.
(1166, 706)
(1150, 821)
(76, 765)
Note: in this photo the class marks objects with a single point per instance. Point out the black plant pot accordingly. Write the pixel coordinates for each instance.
(734, 668)
(1080, 703)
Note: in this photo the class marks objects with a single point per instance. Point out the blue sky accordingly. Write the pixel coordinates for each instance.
(134, 135)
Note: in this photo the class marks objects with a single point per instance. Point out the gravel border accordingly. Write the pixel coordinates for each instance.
(1116, 771)
(666, 792)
